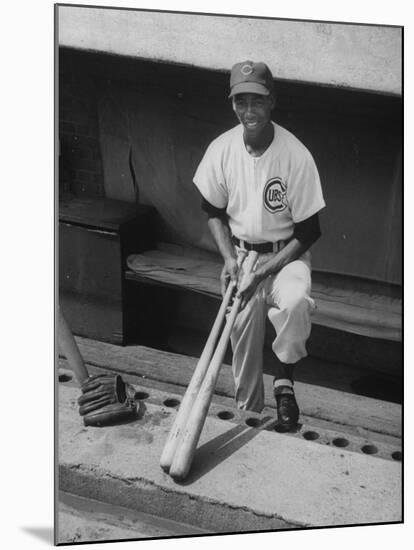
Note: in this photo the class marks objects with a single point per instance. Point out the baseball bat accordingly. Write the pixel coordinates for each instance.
(71, 351)
(197, 378)
(187, 444)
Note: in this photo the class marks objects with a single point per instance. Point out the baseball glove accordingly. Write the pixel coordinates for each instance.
(106, 399)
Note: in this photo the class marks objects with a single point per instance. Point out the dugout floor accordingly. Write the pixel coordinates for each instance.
(342, 466)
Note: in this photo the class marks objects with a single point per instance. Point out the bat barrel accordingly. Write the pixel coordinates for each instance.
(187, 445)
(70, 349)
(194, 386)
(196, 381)
(188, 441)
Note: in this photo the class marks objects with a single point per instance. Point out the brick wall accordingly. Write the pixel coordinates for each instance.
(80, 163)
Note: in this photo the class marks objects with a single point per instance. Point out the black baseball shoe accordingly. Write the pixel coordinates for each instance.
(287, 409)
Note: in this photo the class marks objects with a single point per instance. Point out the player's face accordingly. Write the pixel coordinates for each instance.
(253, 111)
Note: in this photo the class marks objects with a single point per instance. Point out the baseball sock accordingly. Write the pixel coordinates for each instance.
(282, 385)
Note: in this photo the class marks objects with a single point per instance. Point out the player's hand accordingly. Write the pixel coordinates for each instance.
(228, 273)
(247, 288)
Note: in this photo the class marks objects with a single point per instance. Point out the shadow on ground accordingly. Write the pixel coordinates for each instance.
(213, 453)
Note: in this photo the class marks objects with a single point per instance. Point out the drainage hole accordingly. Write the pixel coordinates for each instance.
(64, 377)
(340, 442)
(397, 455)
(141, 395)
(311, 436)
(171, 402)
(253, 422)
(225, 415)
(369, 449)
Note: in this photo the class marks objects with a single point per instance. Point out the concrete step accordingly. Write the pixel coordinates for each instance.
(85, 520)
(243, 478)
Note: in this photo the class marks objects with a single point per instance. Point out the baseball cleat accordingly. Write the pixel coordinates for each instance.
(287, 410)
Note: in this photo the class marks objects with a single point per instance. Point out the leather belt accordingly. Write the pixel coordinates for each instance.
(262, 248)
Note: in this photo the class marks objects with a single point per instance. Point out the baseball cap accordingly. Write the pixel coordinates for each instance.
(250, 77)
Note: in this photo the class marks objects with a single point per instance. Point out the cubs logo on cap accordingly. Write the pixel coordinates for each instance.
(246, 69)
(251, 77)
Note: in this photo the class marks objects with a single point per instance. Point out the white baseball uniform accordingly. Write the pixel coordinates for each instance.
(264, 197)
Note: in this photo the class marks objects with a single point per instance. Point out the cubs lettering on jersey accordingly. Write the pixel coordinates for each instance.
(274, 195)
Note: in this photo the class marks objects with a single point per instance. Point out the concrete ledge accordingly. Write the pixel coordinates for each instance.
(242, 479)
(87, 520)
(355, 56)
(141, 495)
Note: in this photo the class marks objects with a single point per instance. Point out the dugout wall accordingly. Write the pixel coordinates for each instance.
(154, 121)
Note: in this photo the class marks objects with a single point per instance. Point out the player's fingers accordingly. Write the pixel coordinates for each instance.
(244, 293)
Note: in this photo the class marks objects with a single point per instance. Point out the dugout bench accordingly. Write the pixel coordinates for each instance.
(118, 283)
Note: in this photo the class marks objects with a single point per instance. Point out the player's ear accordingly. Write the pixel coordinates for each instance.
(272, 100)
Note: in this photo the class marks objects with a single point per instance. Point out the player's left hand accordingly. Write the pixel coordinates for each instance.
(247, 288)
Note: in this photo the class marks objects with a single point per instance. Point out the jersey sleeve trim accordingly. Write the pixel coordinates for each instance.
(310, 213)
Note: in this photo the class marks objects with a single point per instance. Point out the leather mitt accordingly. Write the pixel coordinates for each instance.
(106, 399)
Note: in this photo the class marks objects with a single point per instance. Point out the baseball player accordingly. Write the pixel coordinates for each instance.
(261, 190)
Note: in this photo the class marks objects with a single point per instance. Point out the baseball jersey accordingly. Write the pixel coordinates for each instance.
(264, 196)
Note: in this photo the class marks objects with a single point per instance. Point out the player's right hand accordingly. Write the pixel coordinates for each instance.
(228, 273)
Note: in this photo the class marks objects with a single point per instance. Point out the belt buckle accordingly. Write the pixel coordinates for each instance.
(277, 246)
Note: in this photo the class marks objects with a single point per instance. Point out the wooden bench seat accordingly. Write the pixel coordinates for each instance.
(362, 309)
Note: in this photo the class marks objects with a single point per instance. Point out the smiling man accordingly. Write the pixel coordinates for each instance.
(261, 191)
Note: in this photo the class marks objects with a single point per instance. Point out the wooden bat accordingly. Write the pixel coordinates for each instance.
(71, 351)
(191, 434)
(197, 378)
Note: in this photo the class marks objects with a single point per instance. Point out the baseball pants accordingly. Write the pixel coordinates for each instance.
(285, 299)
